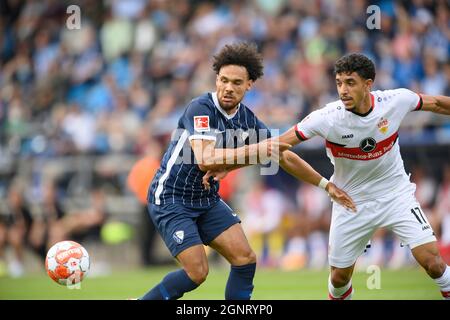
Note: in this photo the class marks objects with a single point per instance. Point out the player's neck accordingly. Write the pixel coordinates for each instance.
(365, 107)
(231, 111)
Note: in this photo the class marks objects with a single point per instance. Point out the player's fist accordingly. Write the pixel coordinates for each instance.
(218, 175)
(340, 196)
(270, 149)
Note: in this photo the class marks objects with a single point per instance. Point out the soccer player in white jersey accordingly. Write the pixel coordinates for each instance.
(361, 133)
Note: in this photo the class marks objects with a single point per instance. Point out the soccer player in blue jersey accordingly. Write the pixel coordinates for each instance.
(214, 136)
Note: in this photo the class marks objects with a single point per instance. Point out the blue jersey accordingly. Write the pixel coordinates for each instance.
(179, 178)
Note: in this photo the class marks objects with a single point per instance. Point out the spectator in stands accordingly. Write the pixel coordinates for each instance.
(19, 225)
(315, 207)
(138, 181)
(261, 222)
(441, 218)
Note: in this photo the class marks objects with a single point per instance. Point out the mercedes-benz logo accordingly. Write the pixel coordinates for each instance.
(367, 144)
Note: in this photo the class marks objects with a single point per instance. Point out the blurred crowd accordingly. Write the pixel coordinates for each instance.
(127, 73)
(118, 84)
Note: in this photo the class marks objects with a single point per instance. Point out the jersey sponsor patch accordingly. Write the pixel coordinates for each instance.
(368, 144)
(369, 149)
(201, 123)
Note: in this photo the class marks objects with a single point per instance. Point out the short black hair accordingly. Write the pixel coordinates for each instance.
(241, 54)
(355, 62)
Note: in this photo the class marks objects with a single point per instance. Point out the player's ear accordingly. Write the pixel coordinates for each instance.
(369, 83)
(249, 84)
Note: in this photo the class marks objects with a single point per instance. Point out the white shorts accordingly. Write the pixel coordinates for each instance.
(350, 232)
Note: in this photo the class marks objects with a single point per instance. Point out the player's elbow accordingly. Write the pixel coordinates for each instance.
(205, 166)
(206, 163)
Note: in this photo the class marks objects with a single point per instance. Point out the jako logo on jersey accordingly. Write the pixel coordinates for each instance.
(347, 136)
(201, 123)
(178, 236)
(383, 125)
(367, 144)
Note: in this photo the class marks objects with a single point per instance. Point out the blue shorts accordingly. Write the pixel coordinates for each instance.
(183, 227)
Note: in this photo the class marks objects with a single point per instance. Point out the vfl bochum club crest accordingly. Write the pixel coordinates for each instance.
(178, 236)
(368, 144)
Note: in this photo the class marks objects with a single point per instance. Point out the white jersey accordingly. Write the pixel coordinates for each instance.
(364, 148)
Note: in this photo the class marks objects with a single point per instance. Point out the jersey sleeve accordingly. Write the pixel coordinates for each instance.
(263, 132)
(314, 124)
(409, 99)
(197, 120)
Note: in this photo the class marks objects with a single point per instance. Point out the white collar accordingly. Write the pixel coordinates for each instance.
(216, 103)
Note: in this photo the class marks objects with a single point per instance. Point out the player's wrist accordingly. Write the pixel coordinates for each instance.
(323, 183)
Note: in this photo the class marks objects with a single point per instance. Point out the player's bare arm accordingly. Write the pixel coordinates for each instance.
(436, 104)
(301, 170)
(265, 150)
(290, 137)
(210, 158)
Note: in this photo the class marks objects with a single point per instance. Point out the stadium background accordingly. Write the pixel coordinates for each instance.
(79, 108)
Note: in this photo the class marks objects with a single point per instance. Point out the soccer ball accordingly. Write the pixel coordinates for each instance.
(67, 263)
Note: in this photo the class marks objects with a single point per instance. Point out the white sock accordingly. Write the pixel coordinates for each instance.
(342, 293)
(444, 283)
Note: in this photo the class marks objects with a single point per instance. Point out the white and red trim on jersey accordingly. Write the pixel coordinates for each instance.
(419, 104)
(300, 134)
(381, 148)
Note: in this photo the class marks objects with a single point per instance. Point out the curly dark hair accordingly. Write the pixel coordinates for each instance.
(355, 62)
(241, 54)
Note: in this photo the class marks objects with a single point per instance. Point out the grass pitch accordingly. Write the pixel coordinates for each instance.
(269, 285)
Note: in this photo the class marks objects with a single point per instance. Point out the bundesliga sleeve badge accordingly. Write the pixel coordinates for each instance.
(201, 123)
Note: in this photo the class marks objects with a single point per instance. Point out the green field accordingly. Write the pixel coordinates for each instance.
(269, 284)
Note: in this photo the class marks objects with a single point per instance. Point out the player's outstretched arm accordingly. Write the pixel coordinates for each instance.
(289, 137)
(436, 104)
(300, 169)
(210, 158)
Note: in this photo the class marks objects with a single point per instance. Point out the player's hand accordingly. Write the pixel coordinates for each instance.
(271, 149)
(218, 175)
(340, 196)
